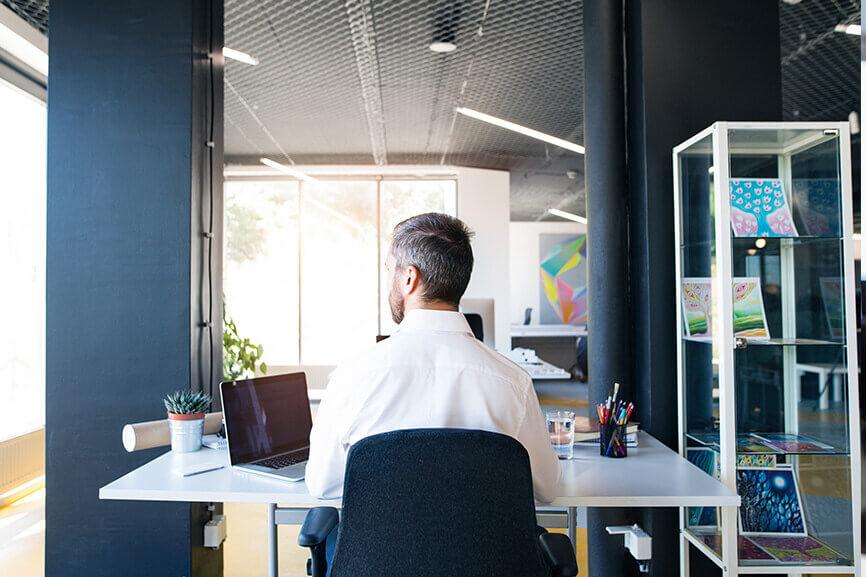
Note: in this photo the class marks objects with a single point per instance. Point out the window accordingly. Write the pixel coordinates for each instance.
(22, 260)
(304, 262)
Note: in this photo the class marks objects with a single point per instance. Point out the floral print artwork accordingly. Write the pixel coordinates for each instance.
(759, 208)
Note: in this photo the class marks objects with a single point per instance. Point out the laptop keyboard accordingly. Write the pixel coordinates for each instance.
(282, 461)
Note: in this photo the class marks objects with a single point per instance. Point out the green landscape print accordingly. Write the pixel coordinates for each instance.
(749, 318)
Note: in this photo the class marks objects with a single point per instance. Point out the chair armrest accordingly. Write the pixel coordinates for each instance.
(317, 524)
(559, 552)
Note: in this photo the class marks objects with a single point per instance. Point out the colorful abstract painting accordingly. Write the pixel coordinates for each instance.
(759, 208)
(816, 202)
(770, 502)
(563, 279)
(749, 318)
(708, 461)
(697, 297)
(799, 550)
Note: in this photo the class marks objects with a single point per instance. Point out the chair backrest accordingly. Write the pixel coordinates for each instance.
(476, 323)
(437, 502)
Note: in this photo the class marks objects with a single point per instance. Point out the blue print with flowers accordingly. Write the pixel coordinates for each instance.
(759, 208)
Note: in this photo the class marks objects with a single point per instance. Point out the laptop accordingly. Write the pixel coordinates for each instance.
(268, 425)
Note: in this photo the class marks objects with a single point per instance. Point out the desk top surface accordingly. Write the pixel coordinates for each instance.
(651, 476)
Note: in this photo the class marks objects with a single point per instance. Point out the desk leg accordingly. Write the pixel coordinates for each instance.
(571, 529)
(837, 387)
(824, 390)
(273, 566)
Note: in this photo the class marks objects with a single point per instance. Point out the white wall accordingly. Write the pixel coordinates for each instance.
(524, 262)
(483, 203)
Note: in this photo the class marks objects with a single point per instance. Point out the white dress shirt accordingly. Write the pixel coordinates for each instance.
(431, 373)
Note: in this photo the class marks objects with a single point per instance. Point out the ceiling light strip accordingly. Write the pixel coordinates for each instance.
(567, 215)
(360, 15)
(521, 129)
(239, 56)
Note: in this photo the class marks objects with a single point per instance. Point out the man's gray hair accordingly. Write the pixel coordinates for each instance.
(439, 246)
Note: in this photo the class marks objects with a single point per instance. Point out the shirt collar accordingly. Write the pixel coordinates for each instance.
(435, 321)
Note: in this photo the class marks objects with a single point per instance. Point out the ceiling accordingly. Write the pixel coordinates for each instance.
(352, 82)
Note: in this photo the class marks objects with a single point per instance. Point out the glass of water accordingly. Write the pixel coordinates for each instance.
(560, 427)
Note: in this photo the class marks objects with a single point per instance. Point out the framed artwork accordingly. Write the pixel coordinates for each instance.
(750, 319)
(759, 207)
(816, 203)
(708, 461)
(833, 297)
(770, 502)
(697, 302)
(562, 259)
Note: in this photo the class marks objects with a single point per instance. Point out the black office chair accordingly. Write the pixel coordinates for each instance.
(476, 324)
(436, 502)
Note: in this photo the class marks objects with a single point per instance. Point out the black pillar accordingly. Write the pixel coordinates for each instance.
(131, 185)
(607, 238)
(687, 64)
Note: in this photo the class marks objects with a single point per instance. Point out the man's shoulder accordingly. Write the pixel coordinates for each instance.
(506, 368)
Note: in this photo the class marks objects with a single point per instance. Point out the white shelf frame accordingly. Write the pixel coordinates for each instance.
(723, 329)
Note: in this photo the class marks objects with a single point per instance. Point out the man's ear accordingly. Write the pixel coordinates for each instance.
(411, 280)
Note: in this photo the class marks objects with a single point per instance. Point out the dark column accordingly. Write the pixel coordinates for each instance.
(607, 238)
(687, 64)
(129, 199)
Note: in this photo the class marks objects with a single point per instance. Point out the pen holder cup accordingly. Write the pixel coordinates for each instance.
(612, 441)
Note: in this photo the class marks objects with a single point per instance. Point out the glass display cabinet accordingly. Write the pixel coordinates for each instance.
(767, 356)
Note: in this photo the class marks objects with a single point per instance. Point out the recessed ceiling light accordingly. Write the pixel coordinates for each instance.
(853, 29)
(443, 47)
(521, 129)
(239, 56)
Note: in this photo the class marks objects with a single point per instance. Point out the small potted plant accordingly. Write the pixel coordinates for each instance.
(186, 411)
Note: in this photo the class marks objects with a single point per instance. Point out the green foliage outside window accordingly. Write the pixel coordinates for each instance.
(241, 358)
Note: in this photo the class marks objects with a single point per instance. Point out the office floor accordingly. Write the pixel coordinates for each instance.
(22, 536)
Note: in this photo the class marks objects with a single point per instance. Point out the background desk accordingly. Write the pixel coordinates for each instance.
(652, 476)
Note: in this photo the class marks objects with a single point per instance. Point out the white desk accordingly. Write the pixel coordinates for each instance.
(651, 476)
(824, 372)
(547, 331)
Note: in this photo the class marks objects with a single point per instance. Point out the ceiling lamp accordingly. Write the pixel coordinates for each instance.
(521, 129)
(239, 56)
(853, 29)
(567, 215)
(443, 47)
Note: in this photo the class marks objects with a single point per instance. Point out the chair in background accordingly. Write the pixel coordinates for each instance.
(436, 502)
(476, 324)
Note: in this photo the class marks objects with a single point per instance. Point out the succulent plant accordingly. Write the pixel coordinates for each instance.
(187, 402)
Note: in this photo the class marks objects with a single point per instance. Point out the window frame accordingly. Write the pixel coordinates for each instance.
(450, 207)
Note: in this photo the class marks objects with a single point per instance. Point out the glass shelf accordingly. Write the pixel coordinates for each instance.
(761, 443)
(759, 551)
(773, 342)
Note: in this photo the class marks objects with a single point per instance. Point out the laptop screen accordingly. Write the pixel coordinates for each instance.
(267, 416)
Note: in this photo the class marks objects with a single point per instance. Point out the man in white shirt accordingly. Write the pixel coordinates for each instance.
(432, 372)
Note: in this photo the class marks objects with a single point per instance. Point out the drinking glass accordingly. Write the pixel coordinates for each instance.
(560, 427)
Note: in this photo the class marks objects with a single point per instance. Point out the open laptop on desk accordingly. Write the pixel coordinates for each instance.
(268, 425)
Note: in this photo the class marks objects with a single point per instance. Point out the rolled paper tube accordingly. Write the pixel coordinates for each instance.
(140, 436)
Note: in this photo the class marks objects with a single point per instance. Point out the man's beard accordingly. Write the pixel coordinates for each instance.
(395, 301)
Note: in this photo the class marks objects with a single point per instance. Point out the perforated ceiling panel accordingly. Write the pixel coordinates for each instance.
(35, 12)
(820, 67)
(353, 81)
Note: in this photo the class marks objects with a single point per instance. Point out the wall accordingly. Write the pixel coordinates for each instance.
(483, 203)
(524, 261)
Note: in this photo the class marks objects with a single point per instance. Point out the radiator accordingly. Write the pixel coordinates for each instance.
(22, 459)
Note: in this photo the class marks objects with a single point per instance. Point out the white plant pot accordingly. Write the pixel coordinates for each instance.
(186, 432)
